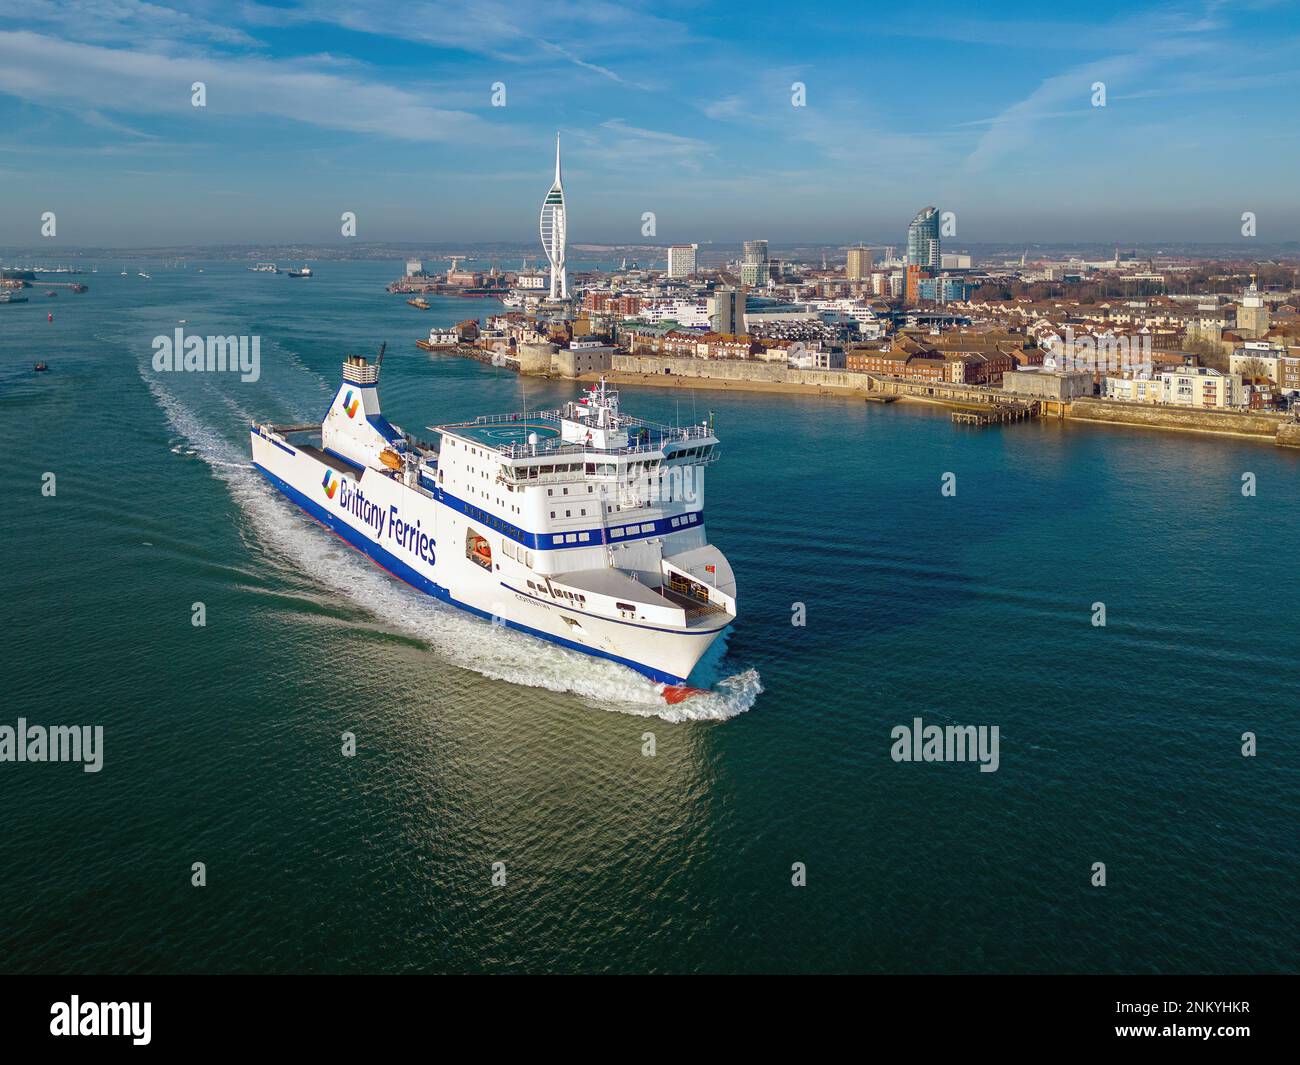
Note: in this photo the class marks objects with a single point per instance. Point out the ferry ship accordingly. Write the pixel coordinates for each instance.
(583, 526)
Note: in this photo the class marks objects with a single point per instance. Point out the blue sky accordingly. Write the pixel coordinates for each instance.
(682, 109)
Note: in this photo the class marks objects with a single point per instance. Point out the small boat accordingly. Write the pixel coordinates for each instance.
(51, 293)
(419, 304)
(304, 272)
(145, 276)
(41, 367)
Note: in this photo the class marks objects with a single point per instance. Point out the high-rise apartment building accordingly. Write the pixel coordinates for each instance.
(923, 240)
(681, 260)
(858, 266)
(727, 311)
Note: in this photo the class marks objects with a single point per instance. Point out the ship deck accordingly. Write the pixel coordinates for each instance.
(335, 463)
(504, 434)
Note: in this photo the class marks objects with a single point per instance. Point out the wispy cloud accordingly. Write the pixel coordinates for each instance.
(61, 73)
(505, 31)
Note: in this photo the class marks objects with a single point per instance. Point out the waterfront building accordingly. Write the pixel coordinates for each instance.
(829, 359)
(1289, 371)
(554, 231)
(1257, 358)
(1035, 382)
(1134, 389)
(1201, 386)
(681, 260)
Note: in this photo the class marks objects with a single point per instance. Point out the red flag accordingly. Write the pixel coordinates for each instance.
(710, 569)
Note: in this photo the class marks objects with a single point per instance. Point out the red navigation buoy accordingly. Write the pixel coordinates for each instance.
(50, 317)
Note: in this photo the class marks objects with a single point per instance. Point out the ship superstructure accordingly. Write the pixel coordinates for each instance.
(582, 525)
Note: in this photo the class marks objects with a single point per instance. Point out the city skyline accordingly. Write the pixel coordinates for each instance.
(717, 129)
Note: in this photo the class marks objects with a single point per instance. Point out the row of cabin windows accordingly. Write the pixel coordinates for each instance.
(649, 527)
(582, 513)
(703, 451)
(492, 521)
(559, 593)
(607, 469)
(563, 491)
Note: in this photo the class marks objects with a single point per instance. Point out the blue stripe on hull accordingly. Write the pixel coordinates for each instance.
(418, 581)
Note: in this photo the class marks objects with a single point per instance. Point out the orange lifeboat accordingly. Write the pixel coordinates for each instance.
(391, 459)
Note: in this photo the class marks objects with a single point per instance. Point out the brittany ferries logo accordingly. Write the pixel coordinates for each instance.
(330, 484)
(350, 404)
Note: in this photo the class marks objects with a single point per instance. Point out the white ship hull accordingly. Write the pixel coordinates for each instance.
(418, 535)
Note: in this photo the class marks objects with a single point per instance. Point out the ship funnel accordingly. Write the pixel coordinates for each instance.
(354, 427)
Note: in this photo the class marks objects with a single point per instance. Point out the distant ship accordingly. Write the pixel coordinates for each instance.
(9, 297)
(264, 268)
(419, 304)
(145, 276)
(582, 526)
(304, 272)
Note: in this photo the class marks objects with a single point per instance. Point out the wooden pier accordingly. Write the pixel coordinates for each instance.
(995, 414)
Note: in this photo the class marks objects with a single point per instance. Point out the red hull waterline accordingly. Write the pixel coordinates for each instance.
(675, 693)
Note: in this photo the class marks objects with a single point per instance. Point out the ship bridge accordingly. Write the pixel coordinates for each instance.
(591, 426)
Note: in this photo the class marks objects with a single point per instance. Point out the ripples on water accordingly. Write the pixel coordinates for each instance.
(478, 744)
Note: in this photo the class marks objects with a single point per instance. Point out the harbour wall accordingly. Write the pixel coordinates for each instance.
(737, 373)
(1187, 419)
